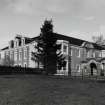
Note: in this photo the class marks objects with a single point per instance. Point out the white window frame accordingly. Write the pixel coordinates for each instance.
(78, 51)
(88, 54)
(100, 54)
(11, 55)
(16, 55)
(25, 53)
(23, 41)
(20, 55)
(65, 50)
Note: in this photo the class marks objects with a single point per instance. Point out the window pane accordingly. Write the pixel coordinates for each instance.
(78, 52)
(64, 48)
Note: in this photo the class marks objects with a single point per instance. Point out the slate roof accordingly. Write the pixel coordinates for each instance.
(72, 40)
(5, 48)
(78, 42)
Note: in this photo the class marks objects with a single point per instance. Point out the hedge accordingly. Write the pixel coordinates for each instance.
(19, 70)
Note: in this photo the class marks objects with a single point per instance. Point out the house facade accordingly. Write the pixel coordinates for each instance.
(81, 56)
(19, 50)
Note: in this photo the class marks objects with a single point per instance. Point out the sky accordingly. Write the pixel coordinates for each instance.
(76, 18)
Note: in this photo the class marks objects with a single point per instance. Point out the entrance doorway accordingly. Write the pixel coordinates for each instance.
(93, 67)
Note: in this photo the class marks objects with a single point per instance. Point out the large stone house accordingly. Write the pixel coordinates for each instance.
(81, 56)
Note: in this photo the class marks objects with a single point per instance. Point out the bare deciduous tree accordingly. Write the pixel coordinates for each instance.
(99, 39)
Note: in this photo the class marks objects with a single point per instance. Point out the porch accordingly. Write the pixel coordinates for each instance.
(93, 66)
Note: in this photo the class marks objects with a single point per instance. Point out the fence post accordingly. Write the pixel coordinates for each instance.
(82, 74)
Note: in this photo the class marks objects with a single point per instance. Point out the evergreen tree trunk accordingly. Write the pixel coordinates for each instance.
(52, 65)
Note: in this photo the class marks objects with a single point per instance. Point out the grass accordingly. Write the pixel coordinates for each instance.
(47, 90)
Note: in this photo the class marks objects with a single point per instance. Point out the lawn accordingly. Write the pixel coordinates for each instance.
(48, 90)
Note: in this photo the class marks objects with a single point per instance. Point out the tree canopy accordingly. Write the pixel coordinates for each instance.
(48, 51)
(99, 39)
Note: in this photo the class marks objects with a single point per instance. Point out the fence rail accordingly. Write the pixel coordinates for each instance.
(83, 75)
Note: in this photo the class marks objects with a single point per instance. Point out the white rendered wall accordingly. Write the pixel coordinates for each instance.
(2, 57)
(32, 63)
(103, 53)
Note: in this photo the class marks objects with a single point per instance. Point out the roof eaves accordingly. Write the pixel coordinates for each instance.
(5, 48)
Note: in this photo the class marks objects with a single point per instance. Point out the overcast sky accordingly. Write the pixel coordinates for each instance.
(76, 18)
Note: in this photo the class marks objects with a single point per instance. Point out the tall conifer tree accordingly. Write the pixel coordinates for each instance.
(47, 48)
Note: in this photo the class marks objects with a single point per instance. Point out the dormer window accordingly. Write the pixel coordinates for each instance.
(20, 43)
(16, 43)
(12, 44)
(23, 41)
